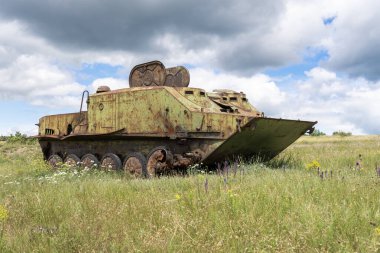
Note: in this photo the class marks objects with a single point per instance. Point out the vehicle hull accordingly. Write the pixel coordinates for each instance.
(263, 137)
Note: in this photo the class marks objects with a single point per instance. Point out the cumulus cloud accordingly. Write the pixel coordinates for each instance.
(260, 89)
(338, 103)
(15, 41)
(35, 79)
(113, 83)
(30, 72)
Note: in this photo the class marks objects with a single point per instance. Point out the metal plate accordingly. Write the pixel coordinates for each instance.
(177, 77)
(147, 74)
(265, 137)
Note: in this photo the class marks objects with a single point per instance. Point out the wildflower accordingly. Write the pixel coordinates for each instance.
(377, 231)
(313, 165)
(3, 213)
(231, 194)
(177, 196)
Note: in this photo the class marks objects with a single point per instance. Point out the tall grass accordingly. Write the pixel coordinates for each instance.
(260, 209)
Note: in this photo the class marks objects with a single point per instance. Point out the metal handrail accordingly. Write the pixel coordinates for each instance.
(81, 103)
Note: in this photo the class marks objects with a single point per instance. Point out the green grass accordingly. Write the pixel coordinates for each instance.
(276, 207)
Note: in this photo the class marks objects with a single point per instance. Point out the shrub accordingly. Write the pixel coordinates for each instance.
(342, 133)
(19, 138)
(317, 132)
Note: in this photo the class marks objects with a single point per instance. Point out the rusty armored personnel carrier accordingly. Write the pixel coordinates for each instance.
(160, 124)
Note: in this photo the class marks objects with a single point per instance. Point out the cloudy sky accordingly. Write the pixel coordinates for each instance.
(314, 60)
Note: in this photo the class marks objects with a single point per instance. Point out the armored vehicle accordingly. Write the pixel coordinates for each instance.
(159, 124)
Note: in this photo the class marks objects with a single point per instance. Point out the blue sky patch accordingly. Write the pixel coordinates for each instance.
(285, 76)
(189, 66)
(90, 72)
(24, 116)
(329, 20)
(311, 59)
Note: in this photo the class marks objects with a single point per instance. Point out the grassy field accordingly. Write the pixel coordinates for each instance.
(282, 206)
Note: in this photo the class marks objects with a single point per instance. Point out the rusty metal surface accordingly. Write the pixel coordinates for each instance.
(154, 73)
(169, 111)
(147, 74)
(177, 77)
(103, 88)
(160, 109)
(264, 137)
(186, 152)
(63, 124)
(133, 166)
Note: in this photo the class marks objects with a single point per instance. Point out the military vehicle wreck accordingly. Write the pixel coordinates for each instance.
(160, 124)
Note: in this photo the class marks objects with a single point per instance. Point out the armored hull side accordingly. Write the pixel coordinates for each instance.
(263, 137)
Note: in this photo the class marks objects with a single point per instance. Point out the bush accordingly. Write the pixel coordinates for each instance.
(317, 132)
(19, 138)
(342, 133)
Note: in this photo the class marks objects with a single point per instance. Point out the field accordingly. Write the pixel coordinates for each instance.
(282, 206)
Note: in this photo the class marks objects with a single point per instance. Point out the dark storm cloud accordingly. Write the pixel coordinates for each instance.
(134, 26)
(364, 62)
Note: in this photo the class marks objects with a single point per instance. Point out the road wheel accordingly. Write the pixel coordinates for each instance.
(135, 165)
(111, 162)
(89, 161)
(159, 161)
(55, 161)
(72, 160)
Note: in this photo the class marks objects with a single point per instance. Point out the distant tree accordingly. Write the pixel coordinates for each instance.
(19, 138)
(342, 133)
(317, 132)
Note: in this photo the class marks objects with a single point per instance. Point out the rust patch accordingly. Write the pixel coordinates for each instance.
(133, 166)
(154, 73)
(147, 74)
(177, 77)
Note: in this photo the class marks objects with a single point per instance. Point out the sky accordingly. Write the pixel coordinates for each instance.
(315, 60)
